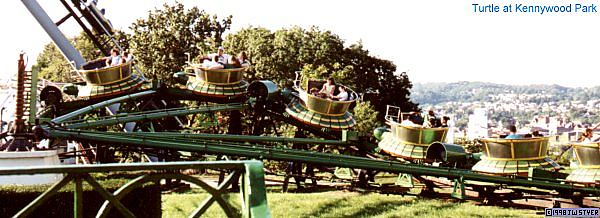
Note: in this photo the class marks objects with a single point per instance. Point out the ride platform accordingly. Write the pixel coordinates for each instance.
(301, 112)
(221, 83)
(514, 156)
(588, 159)
(319, 111)
(101, 81)
(410, 142)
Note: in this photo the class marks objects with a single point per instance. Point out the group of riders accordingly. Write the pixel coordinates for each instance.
(586, 137)
(220, 60)
(430, 120)
(328, 91)
(117, 59)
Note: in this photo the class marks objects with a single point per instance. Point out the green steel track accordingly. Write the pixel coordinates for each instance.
(67, 127)
(252, 150)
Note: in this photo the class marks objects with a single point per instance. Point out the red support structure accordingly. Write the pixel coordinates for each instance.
(21, 139)
(20, 98)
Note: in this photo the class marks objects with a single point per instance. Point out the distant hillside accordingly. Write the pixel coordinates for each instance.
(436, 93)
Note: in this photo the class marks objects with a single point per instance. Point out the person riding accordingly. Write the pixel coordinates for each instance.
(243, 58)
(220, 55)
(126, 57)
(430, 118)
(328, 87)
(588, 134)
(314, 92)
(410, 121)
(114, 59)
(418, 119)
(233, 63)
(513, 133)
(342, 96)
(445, 120)
(214, 64)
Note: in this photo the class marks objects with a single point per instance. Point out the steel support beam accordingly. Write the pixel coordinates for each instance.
(244, 138)
(70, 53)
(284, 154)
(126, 118)
(100, 105)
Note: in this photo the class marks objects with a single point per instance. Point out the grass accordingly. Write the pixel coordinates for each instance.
(345, 204)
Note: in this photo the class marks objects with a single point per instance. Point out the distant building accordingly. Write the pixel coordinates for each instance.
(551, 125)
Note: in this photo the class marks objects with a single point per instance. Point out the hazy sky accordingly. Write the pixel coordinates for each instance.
(433, 41)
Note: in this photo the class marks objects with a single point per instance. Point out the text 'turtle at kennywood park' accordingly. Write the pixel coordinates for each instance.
(537, 9)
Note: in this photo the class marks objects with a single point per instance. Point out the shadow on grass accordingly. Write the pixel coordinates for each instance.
(502, 203)
(370, 210)
(314, 189)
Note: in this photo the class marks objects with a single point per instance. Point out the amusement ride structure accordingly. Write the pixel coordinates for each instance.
(116, 112)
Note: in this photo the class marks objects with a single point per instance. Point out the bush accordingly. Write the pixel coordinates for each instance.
(143, 202)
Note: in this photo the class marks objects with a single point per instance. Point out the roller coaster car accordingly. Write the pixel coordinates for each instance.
(101, 81)
(514, 156)
(221, 83)
(321, 112)
(411, 142)
(588, 158)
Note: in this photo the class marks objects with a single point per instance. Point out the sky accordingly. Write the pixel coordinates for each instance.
(431, 40)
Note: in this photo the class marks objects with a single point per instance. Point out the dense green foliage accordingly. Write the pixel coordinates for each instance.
(321, 54)
(160, 42)
(366, 118)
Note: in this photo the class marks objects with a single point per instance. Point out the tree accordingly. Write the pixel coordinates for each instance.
(378, 77)
(53, 66)
(366, 117)
(277, 55)
(321, 54)
(160, 42)
(257, 42)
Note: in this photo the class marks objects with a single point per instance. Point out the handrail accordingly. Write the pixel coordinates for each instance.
(197, 66)
(151, 115)
(225, 76)
(252, 189)
(587, 144)
(504, 140)
(99, 105)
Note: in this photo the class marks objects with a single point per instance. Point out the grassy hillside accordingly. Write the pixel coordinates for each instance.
(435, 93)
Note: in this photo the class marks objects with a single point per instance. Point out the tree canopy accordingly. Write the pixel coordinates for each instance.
(160, 42)
(321, 54)
(366, 117)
